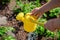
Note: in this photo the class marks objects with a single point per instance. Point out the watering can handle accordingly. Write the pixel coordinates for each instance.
(39, 23)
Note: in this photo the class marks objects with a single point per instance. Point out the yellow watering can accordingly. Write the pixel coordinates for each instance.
(30, 22)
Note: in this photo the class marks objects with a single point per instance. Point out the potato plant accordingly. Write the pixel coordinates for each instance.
(3, 33)
(28, 6)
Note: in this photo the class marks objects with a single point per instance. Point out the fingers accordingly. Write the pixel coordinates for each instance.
(34, 11)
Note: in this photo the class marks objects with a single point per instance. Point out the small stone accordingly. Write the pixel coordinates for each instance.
(3, 20)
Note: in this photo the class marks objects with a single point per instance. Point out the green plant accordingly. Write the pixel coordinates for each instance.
(45, 32)
(8, 37)
(50, 34)
(58, 33)
(3, 33)
(42, 31)
(4, 30)
(55, 12)
(28, 6)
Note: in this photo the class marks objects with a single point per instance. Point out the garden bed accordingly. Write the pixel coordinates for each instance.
(11, 9)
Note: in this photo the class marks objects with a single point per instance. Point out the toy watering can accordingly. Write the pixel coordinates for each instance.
(30, 22)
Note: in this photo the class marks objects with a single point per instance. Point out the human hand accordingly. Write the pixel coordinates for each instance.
(36, 12)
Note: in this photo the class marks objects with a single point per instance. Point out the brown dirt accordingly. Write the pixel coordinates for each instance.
(11, 21)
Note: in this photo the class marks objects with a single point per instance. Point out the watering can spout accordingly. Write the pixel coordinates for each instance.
(20, 16)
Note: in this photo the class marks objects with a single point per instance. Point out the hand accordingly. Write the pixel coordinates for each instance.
(36, 12)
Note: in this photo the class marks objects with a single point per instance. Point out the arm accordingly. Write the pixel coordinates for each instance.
(50, 5)
(46, 7)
